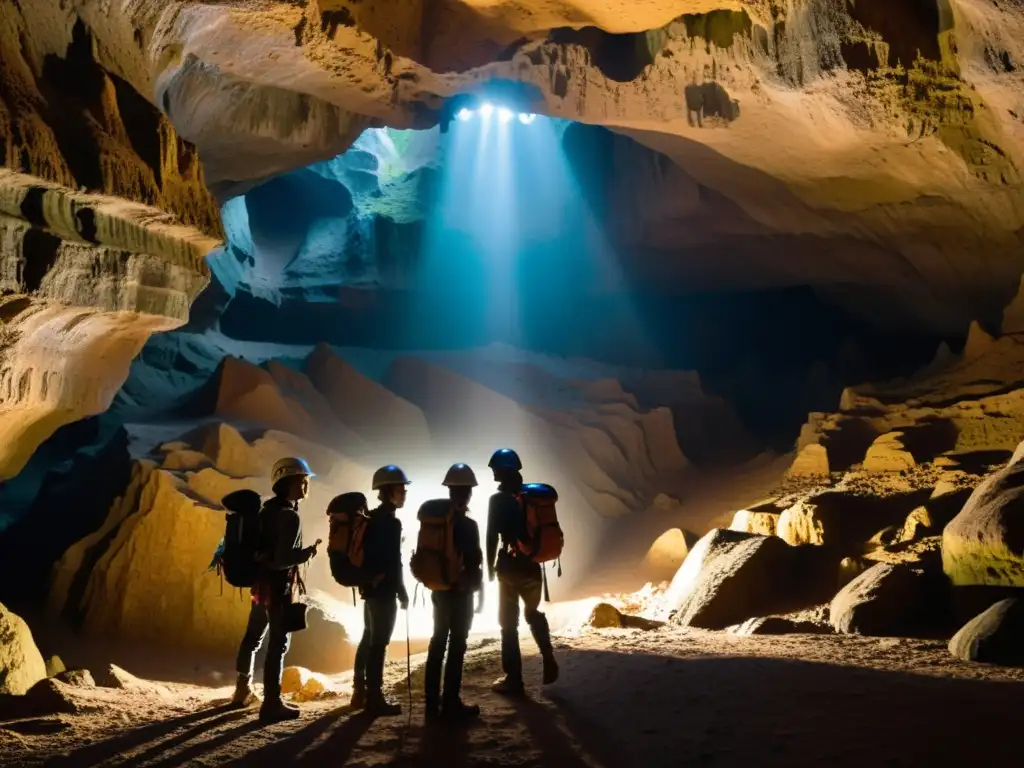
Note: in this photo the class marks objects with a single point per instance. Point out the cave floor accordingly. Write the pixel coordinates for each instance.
(626, 698)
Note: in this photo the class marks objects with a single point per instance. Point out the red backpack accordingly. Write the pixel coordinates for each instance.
(544, 540)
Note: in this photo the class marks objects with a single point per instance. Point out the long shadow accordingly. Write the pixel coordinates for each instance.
(188, 734)
(96, 754)
(644, 709)
(334, 750)
(545, 732)
(200, 748)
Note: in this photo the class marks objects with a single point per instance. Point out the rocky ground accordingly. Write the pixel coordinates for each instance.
(672, 696)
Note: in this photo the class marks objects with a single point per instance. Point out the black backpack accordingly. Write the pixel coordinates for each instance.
(236, 559)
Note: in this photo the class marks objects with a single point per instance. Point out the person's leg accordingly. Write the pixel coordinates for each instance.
(530, 590)
(277, 646)
(359, 668)
(508, 620)
(435, 652)
(461, 622)
(384, 611)
(255, 631)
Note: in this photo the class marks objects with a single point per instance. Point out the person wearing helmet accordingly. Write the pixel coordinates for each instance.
(519, 578)
(383, 595)
(281, 554)
(453, 608)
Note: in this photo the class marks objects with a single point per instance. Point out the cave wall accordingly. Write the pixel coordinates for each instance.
(66, 118)
(86, 279)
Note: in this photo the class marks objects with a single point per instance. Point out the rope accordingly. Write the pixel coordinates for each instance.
(408, 664)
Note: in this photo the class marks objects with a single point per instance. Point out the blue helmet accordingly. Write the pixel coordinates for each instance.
(505, 458)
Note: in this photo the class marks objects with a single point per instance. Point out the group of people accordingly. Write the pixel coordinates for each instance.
(520, 579)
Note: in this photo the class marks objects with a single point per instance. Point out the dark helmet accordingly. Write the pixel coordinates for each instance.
(505, 458)
(389, 475)
(347, 504)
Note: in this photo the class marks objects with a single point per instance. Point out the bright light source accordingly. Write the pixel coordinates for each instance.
(505, 114)
(487, 109)
(526, 117)
(464, 114)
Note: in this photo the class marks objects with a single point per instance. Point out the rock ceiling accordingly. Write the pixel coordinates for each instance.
(819, 141)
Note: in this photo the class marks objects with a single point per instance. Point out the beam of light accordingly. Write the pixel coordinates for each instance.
(464, 114)
(512, 253)
(505, 114)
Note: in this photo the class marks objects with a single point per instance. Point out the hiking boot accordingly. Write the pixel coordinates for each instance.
(509, 686)
(275, 711)
(459, 712)
(382, 706)
(550, 669)
(245, 695)
(358, 698)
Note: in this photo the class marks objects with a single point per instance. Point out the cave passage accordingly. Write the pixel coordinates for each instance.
(508, 228)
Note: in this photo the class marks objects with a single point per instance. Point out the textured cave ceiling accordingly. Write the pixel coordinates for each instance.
(869, 149)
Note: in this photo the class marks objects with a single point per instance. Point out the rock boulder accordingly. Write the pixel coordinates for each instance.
(21, 663)
(883, 601)
(730, 577)
(995, 636)
(984, 544)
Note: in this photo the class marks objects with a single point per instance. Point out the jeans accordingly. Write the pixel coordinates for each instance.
(453, 618)
(379, 615)
(260, 619)
(520, 581)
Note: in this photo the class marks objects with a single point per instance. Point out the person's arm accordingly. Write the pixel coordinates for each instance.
(472, 556)
(285, 554)
(397, 569)
(493, 527)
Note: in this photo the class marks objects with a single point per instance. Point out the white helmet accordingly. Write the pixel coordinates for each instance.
(289, 467)
(459, 475)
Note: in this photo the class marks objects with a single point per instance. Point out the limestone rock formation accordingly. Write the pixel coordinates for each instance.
(844, 518)
(666, 554)
(888, 454)
(764, 522)
(70, 114)
(88, 279)
(993, 636)
(983, 544)
(730, 577)
(21, 664)
(812, 460)
(884, 600)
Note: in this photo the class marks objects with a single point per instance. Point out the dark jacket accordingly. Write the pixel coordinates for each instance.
(281, 550)
(383, 548)
(506, 525)
(466, 534)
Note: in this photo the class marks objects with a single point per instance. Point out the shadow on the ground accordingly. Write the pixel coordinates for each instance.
(616, 710)
(150, 737)
(639, 709)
